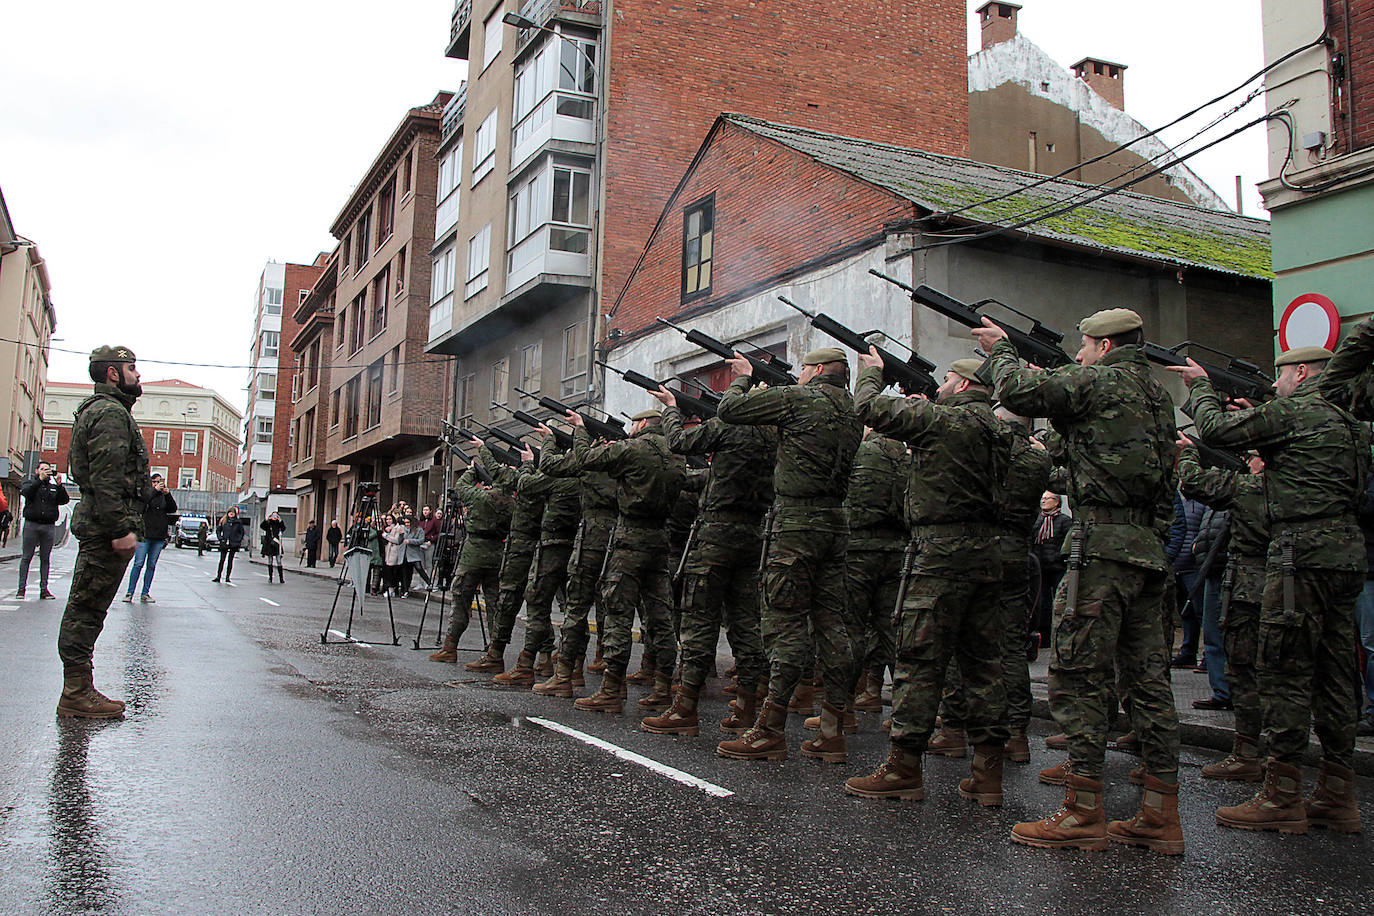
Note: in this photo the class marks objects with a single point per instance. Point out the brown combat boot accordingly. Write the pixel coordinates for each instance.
(948, 742)
(803, 699)
(849, 724)
(1156, 825)
(899, 777)
(545, 666)
(80, 699)
(606, 699)
(598, 664)
(1018, 746)
(560, 685)
(1078, 824)
(1137, 774)
(1059, 742)
(765, 741)
(870, 698)
(522, 675)
(1128, 744)
(1333, 804)
(493, 660)
(828, 745)
(449, 653)
(1057, 775)
(984, 782)
(732, 688)
(661, 697)
(1242, 765)
(1277, 805)
(647, 670)
(680, 719)
(743, 712)
(579, 675)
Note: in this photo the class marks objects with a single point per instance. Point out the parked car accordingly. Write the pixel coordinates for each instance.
(188, 532)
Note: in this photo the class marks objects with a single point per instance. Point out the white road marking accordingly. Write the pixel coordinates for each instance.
(9, 607)
(661, 768)
(268, 601)
(230, 584)
(365, 645)
(182, 565)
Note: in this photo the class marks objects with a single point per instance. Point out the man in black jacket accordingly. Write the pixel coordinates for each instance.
(42, 495)
(156, 519)
(1050, 532)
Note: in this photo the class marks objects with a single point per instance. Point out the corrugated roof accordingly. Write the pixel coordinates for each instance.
(1124, 222)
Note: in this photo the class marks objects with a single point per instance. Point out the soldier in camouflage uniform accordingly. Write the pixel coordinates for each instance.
(561, 498)
(720, 578)
(1027, 476)
(960, 455)
(488, 517)
(1316, 458)
(1242, 588)
(522, 541)
(1117, 425)
(648, 476)
(806, 538)
(109, 462)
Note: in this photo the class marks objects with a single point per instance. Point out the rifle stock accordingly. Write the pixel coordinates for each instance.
(1237, 379)
(913, 376)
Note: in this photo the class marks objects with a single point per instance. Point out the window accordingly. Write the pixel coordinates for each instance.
(187, 478)
(162, 441)
(334, 409)
(467, 394)
(559, 78)
(49, 440)
(500, 381)
(345, 247)
(531, 369)
(193, 409)
(697, 248)
(262, 430)
(357, 322)
(272, 301)
(312, 365)
(306, 441)
(386, 211)
(446, 191)
(401, 270)
(484, 148)
(491, 39)
(190, 443)
(271, 342)
(352, 394)
(267, 386)
(395, 383)
(340, 329)
(574, 359)
(527, 207)
(406, 167)
(479, 257)
(441, 282)
(381, 294)
(374, 394)
(571, 205)
(302, 295)
(364, 239)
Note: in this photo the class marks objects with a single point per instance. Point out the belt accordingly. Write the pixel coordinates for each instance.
(1307, 524)
(878, 532)
(733, 518)
(1115, 515)
(955, 529)
(825, 502)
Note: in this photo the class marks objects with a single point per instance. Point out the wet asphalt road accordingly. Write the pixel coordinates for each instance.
(259, 771)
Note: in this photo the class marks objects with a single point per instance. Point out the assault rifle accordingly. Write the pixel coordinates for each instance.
(514, 441)
(1236, 379)
(689, 405)
(463, 432)
(562, 439)
(1213, 457)
(608, 429)
(710, 396)
(1039, 346)
(771, 371)
(913, 376)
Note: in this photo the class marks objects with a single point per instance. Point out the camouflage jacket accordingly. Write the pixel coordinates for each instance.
(487, 520)
(1242, 495)
(1349, 377)
(596, 493)
(818, 434)
(109, 462)
(647, 475)
(959, 457)
(1316, 457)
(561, 498)
(685, 508)
(877, 494)
(740, 481)
(1116, 422)
(1028, 476)
(527, 516)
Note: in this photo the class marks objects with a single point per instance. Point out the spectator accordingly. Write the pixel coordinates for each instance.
(272, 530)
(1187, 521)
(231, 531)
(202, 538)
(394, 534)
(1049, 547)
(312, 544)
(6, 520)
(414, 542)
(157, 517)
(1213, 529)
(43, 493)
(333, 537)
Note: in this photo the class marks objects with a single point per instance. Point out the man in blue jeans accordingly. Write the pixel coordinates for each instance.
(156, 520)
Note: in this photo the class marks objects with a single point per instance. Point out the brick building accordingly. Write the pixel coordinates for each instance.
(575, 126)
(191, 432)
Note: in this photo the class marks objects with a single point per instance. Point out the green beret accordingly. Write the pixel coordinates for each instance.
(823, 355)
(108, 354)
(1109, 322)
(647, 415)
(1303, 355)
(968, 368)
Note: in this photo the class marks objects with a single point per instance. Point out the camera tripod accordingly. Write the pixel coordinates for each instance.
(357, 559)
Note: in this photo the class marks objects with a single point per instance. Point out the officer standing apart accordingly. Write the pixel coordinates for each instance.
(1119, 440)
(109, 462)
(42, 495)
(805, 542)
(1316, 457)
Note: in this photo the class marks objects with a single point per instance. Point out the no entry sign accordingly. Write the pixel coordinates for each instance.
(1311, 320)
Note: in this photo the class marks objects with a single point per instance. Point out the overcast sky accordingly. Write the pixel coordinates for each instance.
(161, 152)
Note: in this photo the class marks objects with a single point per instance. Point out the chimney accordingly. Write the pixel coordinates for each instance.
(998, 21)
(1105, 77)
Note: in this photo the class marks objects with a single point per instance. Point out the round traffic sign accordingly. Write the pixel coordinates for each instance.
(1311, 320)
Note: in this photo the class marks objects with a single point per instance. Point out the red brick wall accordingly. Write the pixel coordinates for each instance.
(298, 277)
(1351, 23)
(889, 70)
(173, 459)
(774, 210)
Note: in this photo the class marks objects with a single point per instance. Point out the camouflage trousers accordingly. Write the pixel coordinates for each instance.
(721, 583)
(1012, 601)
(1307, 673)
(875, 577)
(97, 576)
(1113, 632)
(550, 574)
(806, 605)
(465, 584)
(946, 619)
(584, 583)
(637, 578)
(514, 576)
(1240, 634)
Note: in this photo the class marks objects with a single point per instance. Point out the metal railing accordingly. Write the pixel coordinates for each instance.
(453, 113)
(462, 16)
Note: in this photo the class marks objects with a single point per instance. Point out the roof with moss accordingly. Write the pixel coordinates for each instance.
(1122, 222)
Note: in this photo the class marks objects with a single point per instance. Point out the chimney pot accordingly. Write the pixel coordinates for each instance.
(1107, 79)
(998, 22)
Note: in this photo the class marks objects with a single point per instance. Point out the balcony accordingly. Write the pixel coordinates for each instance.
(551, 251)
(453, 114)
(566, 118)
(586, 12)
(460, 32)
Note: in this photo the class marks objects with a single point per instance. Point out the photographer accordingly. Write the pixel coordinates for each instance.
(43, 493)
(156, 518)
(232, 532)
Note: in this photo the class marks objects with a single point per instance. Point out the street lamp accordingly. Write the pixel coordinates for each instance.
(524, 22)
